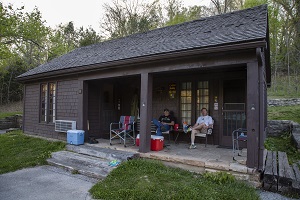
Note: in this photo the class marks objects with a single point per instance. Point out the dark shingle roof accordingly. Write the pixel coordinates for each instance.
(236, 27)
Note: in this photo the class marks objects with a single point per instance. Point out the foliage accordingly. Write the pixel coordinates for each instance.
(26, 42)
(88, 37)
(143, 179)
(224, 6)
(176, 13)
(124, 17)
(284, 113)
(283, 143)
(219, 178)
(285, 87)
(18, 151)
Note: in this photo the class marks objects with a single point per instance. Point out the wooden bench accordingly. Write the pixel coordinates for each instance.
(278, 175)
(153, 129)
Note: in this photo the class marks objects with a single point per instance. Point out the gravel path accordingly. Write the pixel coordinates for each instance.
(265, 195)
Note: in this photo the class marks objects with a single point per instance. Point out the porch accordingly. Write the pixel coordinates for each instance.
(211, 158)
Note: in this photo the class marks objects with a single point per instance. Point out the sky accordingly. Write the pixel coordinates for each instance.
(84, 13)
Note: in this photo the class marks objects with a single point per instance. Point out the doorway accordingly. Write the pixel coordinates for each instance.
(233, 109)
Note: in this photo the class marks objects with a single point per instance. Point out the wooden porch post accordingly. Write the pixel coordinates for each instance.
(263, 107)
(82, 106)
(253, 111)
(145, 112)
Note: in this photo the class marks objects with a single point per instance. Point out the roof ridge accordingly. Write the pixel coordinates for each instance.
(175, 25)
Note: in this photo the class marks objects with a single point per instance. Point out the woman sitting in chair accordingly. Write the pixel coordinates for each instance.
(164, 122)
(204, 122)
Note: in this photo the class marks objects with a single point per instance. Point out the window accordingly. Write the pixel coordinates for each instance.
(186, 102)
(202, 96)
(48, 101)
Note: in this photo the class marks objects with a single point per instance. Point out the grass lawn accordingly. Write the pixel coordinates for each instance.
(145, 179)
(8, 114)
(284, 113)
(283, 143)
(19, 151)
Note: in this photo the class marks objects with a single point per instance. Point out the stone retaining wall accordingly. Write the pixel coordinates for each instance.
(11, 122)
(278, 127)
(296, 134)
(284, 102)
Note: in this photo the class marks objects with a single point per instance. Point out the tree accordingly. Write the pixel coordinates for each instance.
(88, 37)
(128, 17)
(176, 13)
(224, 6)
(23, 37)
(66, 38)
(292, 17)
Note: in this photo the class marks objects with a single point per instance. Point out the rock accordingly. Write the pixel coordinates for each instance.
(278, 127)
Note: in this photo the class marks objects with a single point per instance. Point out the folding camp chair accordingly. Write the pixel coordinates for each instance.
(206, 132)
(125, 128)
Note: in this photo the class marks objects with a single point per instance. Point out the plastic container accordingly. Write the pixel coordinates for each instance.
(176, 126)
(75, 137)
(137, 140)
(157, 143)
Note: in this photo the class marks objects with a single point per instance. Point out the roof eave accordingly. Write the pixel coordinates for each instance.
(119, 63)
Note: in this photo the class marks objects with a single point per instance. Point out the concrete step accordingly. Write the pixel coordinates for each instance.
(105, 153)
(87, 165)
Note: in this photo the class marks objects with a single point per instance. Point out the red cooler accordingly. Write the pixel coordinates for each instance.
(157, 143)
(137, 140)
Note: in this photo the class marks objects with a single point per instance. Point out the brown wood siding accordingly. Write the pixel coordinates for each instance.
(31, 118)
(31, 124)
(66, 108)
(67, 100)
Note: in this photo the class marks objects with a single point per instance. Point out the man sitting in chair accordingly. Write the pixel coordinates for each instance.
(164, 122)
(204, 122)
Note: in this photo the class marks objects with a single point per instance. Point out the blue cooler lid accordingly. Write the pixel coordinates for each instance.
(75, 131)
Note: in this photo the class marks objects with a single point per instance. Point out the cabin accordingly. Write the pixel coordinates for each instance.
(220, 62)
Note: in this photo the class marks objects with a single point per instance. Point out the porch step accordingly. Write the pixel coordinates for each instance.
(105, 153)
(83, 164)
(88, 160)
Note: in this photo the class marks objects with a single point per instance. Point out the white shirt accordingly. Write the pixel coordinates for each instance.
(204, 119)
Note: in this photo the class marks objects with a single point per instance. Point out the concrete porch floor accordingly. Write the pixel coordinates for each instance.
(209, 158)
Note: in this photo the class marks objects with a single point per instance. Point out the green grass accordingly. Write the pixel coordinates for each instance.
(19, 151)
(144, 179)
(8, 114)
(284, 113)
(283, 143)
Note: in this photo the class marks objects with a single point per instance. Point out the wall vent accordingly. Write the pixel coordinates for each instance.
(64, 125)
